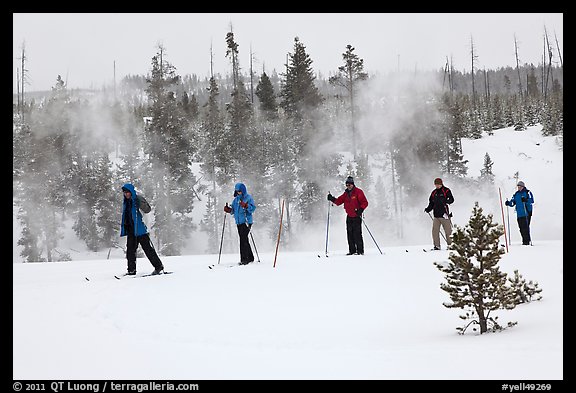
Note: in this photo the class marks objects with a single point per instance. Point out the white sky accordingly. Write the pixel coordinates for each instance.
(82, 47)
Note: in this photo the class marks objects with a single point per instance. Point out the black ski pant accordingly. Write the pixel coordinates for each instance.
(354, 232)
(524, 225)
(245, 249)
(131, 246)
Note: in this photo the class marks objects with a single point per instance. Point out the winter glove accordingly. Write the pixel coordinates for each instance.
(507, 203)
(359, 212)
(227, 209)
(523, 199)
(243, 204)
(331, 197)
(426, 210)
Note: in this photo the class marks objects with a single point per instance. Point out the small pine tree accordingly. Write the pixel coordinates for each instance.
(486, 172)
(524, 291)
(474, 280)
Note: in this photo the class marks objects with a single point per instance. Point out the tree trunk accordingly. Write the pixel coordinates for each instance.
(482, 319)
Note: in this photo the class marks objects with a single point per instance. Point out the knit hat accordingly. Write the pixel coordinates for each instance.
(521, 183)
(350, 180)
(438, 181)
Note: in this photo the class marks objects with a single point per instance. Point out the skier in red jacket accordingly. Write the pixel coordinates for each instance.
(355, 203)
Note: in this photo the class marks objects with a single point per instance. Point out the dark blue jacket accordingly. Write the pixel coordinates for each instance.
(139, 226)
(521, 207)
(241, 215)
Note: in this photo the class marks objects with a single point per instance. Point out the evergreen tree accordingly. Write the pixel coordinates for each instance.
(474, 281)
(300, 98)
(209, 224)
(215, 155)
(532, 84)
(232, 53)
(363, 172)
(486, 174)
(267, 97)
(298, 92)
(239, 131)
(193, 108)
(87, 195)
(553, 113)
(497, 113)
(349, 75)
(107, 203)
(189, 107)
(42, 189)
(29, 239)
(170, 158)
(524, 291)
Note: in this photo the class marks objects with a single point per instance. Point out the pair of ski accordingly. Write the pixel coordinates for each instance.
(223, 265)
(125, 275)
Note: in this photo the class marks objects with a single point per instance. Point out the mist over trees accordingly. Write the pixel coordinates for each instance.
(183, 141)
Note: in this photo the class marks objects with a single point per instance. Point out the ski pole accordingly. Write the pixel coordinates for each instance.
(222, 238)
(442, 233)
(327, 225)
(279, 231)
(371, 234)
(527, 221)
(508, 217)
(255, 249)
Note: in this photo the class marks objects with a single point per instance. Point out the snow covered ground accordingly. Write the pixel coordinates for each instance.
(377, 316)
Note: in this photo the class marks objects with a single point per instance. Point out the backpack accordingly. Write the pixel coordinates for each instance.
(143, 204)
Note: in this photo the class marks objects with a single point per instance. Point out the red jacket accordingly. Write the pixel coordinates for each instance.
(352, 200)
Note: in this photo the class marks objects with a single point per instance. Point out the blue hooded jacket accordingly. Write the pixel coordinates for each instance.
(139, 226)
(521, 207)
(241, 215)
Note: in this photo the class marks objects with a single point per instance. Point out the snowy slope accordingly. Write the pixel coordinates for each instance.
(361, 317)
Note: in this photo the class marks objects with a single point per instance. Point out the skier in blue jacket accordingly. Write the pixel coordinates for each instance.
(242, 208)
(135, 230)
(523, 200)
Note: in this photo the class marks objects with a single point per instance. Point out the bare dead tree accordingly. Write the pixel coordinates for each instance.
(542, 76)
(473, 58)
(18, 90)
(451, 75)
(486, 86)
(549, 69)
(23, 78)
(251, 76)
(446, 74)
(518, 66)
(558, 49)
(114, 80)
(232, 51)
(211, 61)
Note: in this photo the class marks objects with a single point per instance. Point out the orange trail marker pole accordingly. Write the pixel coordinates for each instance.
(503, 222)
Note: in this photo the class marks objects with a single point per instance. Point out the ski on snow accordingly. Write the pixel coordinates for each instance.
(139, 275)
(223, 265)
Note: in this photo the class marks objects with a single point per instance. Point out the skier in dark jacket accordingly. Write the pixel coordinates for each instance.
(523, 200)
(134, 228)
(438, 202)
(242, 208)
(355, 203)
